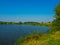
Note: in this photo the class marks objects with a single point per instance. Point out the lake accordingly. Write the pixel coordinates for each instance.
(10, 33)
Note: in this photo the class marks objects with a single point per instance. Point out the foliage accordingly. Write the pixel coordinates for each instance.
(57, 10)
(38, 23)
(28, 23)
(51, 39)
(20, 22)
(32, 36)
(56, 22)
(1, 22)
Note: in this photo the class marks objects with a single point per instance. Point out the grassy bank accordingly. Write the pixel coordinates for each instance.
(46, 39)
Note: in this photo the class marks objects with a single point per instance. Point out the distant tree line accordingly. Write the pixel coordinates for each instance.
(1, 22)
(28, 23)
(38, 23)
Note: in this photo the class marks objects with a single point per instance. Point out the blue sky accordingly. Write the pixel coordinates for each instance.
(27, 10)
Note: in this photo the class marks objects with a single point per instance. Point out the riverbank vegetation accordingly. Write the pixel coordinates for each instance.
(38, 23)
(52, 37)
(29, 23)
(46, 39)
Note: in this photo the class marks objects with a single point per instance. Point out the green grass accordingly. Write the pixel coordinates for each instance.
(46, 39)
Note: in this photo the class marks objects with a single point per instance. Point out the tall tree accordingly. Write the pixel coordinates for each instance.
(56, 22)
(57, 10)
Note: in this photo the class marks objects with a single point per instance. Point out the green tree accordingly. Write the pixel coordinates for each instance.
(20, 22)
(57, 10)
(56, 22)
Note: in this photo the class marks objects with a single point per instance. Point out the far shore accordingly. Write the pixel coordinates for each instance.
(29, 23)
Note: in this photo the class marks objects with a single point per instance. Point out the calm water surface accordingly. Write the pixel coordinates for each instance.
(9, 33)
